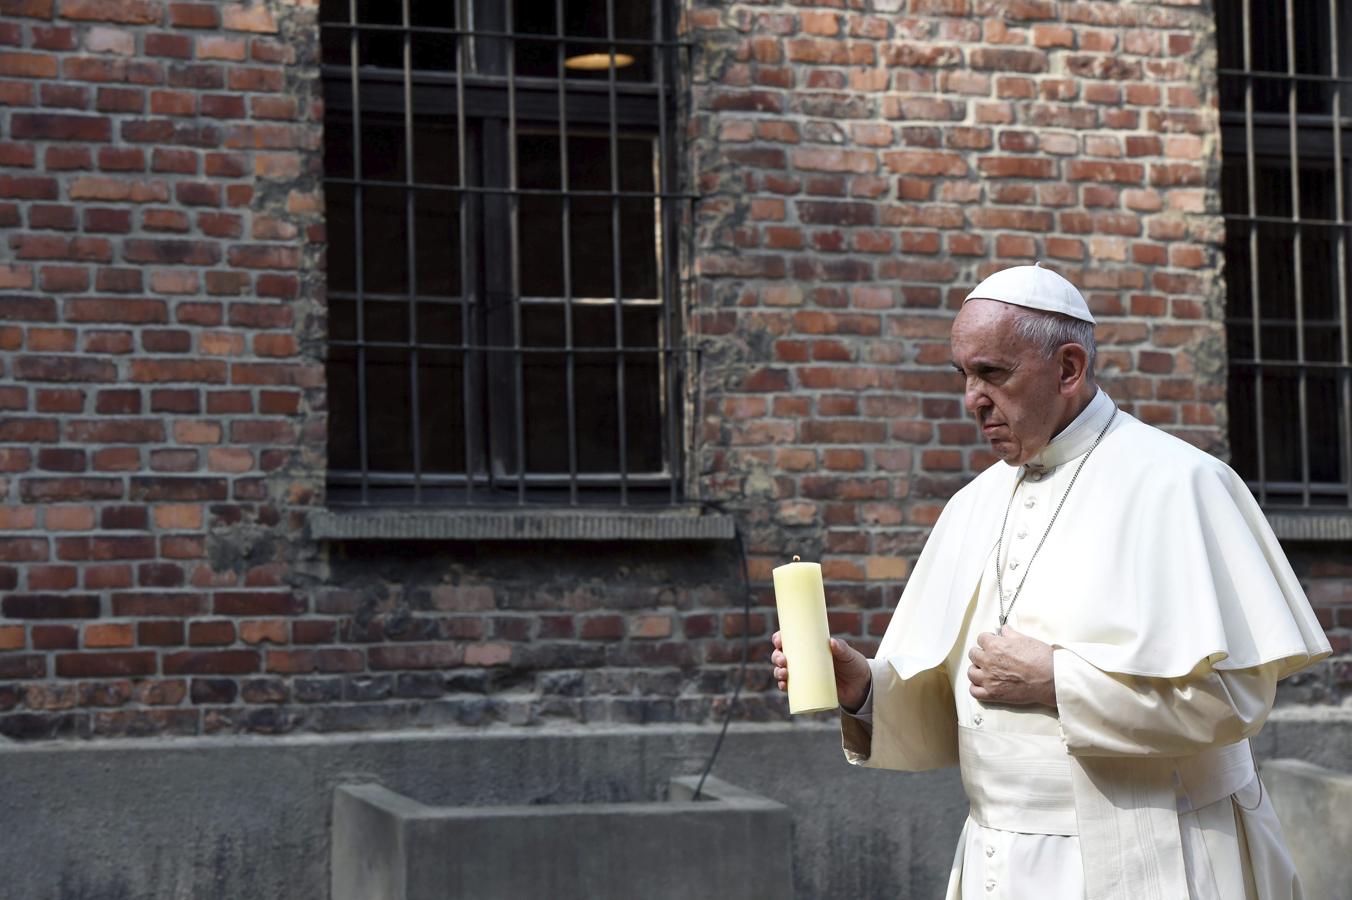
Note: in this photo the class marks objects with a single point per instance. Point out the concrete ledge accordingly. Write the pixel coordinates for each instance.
(1314, 805)
(733, 843)
(686, 524)
(227, 817)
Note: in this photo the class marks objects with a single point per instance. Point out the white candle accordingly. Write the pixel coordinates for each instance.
(800, 599)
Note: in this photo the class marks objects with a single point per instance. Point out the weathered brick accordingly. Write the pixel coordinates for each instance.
(129, 12)
(60, 127)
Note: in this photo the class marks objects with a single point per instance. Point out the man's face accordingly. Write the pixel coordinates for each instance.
(1011, 389)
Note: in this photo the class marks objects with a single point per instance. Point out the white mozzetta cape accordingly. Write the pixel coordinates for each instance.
(1160, 560)
(1159, 565)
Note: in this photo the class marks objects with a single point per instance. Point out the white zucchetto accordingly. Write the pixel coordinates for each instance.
(1034, 287)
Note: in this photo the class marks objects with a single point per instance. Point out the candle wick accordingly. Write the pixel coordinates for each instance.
(796, 557)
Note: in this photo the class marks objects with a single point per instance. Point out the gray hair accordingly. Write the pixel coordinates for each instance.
(1049, 331)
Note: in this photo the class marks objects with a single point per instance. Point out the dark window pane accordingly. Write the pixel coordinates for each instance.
(437, 228)
(388, 397)
(385, 320)
(1326, 424)
(440, 323)
(1281, 397)
(436, 51)
(383, 49)
(338, 146)
(382, 146)
(341, 375)
(1230, 34)
(336, 46)
(436, 158)
(342, 320)
(334, 10)
(441, 396)
(585, 19)
(542, 244)
(385, 235)
(340, 228)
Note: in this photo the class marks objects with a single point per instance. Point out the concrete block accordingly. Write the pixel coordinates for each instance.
(730, 843)
(1314, 805)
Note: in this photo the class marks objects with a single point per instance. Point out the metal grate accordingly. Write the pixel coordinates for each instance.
(1284, 196)
(505, 212)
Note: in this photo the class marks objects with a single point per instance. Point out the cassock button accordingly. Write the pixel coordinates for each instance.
(976, 719)
(1013, 564)
(1023, 533)
(1035, 476)
(990, 851)
(990, 885)
(1030, 503)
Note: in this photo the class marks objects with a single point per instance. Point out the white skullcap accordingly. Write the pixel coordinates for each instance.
(1035, 287)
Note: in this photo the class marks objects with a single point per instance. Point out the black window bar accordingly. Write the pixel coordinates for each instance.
(1284, 197)
(508, 218)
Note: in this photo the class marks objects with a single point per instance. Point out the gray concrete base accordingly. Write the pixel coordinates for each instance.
(731, 843)
(226, 818)
(1314, 805)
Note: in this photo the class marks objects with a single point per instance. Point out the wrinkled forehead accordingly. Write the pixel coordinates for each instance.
(983, 325)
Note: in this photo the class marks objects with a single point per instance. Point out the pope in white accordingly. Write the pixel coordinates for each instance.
(1092, 633)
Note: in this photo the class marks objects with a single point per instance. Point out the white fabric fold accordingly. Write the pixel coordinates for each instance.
(1160, 561)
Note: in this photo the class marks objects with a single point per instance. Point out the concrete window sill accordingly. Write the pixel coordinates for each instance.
(681, 524)
(1311, 526)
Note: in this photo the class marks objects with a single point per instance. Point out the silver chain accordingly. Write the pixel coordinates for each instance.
(999, 567)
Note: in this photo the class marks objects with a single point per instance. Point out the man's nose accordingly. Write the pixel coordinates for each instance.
(973, 397)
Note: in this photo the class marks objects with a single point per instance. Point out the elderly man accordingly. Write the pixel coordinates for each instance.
(1092, 633)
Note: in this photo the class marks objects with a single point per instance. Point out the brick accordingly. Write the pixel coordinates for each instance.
(108, 664)
(108, 634)
(171, 252)
(29, 188)
(194, 15)
(60, 127)
(125, 310)
(14, 665)
(19, 518)
(51, 606)
(159, 633)
(414, 656)
(252, 18)
(178, 370)
(128, 12)
(224, 662)
(69, 518)
(108, 221)
(272, 631)
(99, 577)
(262, 603)
(118, 41)
(159, 604)
(167, 44)
(155, 489)
(27, 65)
(213, 633)
(119, 100)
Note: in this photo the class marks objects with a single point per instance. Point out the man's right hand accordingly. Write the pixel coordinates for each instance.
(853, 675)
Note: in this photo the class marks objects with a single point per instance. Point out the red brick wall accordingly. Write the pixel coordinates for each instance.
(863, 170)
(162, 398)
(161, 370)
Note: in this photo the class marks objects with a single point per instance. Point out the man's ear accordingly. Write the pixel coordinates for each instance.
(1072, 368)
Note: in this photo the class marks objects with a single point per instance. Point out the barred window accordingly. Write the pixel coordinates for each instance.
(1285, 107)
(504, 203)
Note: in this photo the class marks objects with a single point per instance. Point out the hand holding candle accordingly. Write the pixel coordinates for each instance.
(800, 599)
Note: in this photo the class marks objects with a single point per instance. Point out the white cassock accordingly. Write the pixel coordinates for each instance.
(1172, 613)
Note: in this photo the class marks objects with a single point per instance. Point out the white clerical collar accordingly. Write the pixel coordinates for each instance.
(1077, 437)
